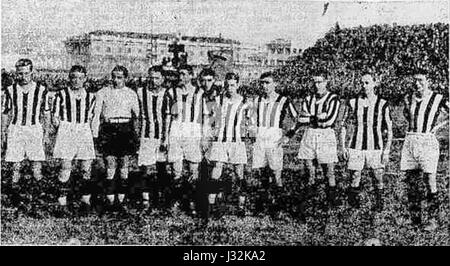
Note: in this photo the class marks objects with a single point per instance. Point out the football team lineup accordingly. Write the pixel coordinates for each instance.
(172, 122)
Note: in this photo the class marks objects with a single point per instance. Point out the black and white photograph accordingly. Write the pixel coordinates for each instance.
(207, 123)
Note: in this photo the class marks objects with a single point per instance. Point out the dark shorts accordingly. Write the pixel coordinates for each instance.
(117, 139)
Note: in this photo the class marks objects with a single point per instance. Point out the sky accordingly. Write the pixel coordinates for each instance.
(258, 21)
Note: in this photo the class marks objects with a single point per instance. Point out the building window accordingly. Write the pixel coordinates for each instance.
(294, 50)
(108, 49)
(97, 48)
(288, 50)
(140, 51)
(129, 50)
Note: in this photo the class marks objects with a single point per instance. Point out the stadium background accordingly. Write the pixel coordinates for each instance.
(393, 51)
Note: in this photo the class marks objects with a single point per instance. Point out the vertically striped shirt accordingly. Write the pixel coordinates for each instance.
(231, 118)
(154, 109)
(313, 106)
(74, 107)
(26, 105)
(186, 106)
(371, 118)
(271, 113)
(423, 113)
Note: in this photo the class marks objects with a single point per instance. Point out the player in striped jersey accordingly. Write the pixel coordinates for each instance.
(72, 114)
(117, 106)
(319, 112)
(26, 108)
(366, 147)
(420, 151)
(227, 147)
(269, 112)
(186, 109)
(154, 129)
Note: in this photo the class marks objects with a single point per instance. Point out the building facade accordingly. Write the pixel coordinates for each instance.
(100, 51)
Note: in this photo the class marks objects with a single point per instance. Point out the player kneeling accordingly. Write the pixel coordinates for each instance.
(72, 114)
(228, 148)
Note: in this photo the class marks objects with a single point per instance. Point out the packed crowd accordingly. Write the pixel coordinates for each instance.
(174, 119)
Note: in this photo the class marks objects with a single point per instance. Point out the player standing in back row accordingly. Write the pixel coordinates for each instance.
(372, 116)
(153, 139)
(269, 111)
(186, 110)
(26, 108)
(117, 107)
(420, 153)
(227, 147)
(72, 114)
(319, 113)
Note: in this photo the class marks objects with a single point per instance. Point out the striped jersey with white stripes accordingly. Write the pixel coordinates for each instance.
(423, 113)
(186, 106)
(74, 107)
(231, 118)
(26, 106)
(371, 118)
(154, 109)
(313, 106)
(271, 113)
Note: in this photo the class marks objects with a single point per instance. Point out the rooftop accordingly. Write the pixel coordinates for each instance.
(136, 35)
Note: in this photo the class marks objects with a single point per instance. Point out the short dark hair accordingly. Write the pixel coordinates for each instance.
(232, 75)
(370, 73)
(419, 71)
(24, 62)
(268, 74)
(78, 68)
(320, 73)
(122, 69)
(207, 72)
(188, 68)
(156, 68)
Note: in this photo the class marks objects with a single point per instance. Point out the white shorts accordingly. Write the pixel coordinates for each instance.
(357, 159)
(320, 144)
(269, 136)
(184, 148)
(420, 151)
(74, 141)
(25, 141)
(264, 155)
(228, 152)
(149, 152)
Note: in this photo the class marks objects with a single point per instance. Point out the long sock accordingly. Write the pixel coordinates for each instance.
(121, 197)
(110, 198)
(86, 199)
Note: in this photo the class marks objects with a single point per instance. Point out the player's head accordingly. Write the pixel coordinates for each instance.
(320, 81)
(119, 75)
(24, 69)
(77, 76)
(207, 77)
(268, 82)
(420, 81)
(156, 76)
(231, 83)
(186, 74)
(368, 83)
